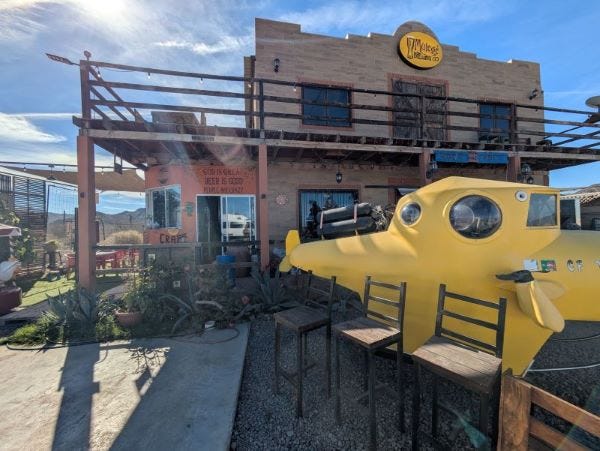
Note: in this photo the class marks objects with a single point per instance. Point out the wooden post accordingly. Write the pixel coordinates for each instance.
(514, 168)
(424, 160)
(86, 213)
(515, 404)
(263, 206)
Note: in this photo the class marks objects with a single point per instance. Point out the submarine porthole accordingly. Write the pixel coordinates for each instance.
(410, 213)
(475, 217)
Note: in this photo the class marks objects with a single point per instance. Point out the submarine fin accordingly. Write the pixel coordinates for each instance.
(536, 304)
(292, 240)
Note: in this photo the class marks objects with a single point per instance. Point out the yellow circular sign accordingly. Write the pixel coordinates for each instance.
(420, 50)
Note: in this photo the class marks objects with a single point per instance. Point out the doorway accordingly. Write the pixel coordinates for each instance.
(223, 219)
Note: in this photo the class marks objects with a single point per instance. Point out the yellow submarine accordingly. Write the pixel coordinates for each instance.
(482, 238)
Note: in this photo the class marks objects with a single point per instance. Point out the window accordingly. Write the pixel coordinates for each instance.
(494, 119)
(407, 114)
(542, 210)
(332, 116)
(5, 183)
(163, 207)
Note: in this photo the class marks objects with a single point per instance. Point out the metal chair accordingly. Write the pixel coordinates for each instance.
(301, 320)
(373, 335)
(461, 359)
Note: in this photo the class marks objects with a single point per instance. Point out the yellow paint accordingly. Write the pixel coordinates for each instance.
(420, 50)
(430, 252)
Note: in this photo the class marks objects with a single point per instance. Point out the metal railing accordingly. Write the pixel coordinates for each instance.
(266, 108)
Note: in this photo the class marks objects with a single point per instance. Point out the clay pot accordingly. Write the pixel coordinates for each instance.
(128, 319)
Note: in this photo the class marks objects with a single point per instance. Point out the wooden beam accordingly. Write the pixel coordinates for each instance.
(515, 404)
(552, 437)
(231, 140)
(86, 214)
(112, 108)
(262, 190)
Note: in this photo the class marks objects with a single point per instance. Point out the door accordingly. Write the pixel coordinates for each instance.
(407, 121)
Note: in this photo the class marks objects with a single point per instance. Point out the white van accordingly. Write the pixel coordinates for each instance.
(235, 227)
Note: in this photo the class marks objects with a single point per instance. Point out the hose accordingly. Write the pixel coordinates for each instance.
(564, 368)
(589, 337)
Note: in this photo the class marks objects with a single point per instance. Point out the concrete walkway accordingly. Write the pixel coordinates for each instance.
(151, 394)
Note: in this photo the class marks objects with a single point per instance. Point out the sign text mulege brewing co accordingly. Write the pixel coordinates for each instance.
(420, 50)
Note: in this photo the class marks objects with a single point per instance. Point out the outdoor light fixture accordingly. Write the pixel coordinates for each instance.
(533, 94)
(525, 175)
(61, 59)
(432, 169)
(276, 64)
(51, 177)
(338, 175)
(87, 54)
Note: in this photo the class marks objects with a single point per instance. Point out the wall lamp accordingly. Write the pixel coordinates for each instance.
(431, 169)
(276, 64)
(338, 175)
(533, 94)
(525, 176)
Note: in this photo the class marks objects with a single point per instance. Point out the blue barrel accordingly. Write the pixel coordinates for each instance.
(226, 259)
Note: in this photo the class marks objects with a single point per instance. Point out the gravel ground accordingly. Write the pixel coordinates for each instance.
(267, 421)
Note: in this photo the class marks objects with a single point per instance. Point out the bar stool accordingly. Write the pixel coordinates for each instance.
(373, 335)
(461, 359)
(301, 320)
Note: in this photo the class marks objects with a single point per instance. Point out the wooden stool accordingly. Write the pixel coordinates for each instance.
(372, 336)
(302, 320)
(461, 360)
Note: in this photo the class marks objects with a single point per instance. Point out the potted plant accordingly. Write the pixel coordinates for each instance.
(133, 300)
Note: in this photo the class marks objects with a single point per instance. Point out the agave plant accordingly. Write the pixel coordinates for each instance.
(75, 307)
(270, 292)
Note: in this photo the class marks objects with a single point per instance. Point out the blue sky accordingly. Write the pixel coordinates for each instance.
(38, 97)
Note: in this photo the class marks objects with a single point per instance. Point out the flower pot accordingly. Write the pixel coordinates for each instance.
(128, 319)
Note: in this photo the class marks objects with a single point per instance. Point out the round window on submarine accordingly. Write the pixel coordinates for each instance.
(475, 217)
(410, 213)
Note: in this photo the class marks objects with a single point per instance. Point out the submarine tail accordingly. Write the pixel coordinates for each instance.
(292, 240)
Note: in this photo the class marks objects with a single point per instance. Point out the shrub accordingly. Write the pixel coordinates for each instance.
(125, 237)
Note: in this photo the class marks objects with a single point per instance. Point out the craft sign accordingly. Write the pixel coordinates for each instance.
(420, 50)
(170, 238)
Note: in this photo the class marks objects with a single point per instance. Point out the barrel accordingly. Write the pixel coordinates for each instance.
(224, 260)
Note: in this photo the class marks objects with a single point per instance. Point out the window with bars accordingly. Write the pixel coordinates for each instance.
(330, 109)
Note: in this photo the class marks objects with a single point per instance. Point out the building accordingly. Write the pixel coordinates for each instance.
(319, 119)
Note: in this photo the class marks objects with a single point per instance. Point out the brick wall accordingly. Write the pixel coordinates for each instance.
(372, 62)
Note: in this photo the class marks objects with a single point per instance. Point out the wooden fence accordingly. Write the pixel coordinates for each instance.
(519, 430)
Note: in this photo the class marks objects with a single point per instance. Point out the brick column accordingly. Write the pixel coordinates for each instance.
(86, 218)
(263, 206)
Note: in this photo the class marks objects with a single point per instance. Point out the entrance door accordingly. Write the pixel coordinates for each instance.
(209, 225)
(222, 219)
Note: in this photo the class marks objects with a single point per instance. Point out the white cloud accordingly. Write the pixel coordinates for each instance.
(15, 128)
(226, 44)
(46, 116)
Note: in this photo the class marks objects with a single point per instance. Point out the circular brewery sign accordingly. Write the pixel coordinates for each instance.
(420, 50)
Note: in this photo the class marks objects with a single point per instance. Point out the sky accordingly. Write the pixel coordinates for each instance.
(38, 97)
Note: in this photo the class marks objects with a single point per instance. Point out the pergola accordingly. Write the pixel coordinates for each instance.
(158, 125)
